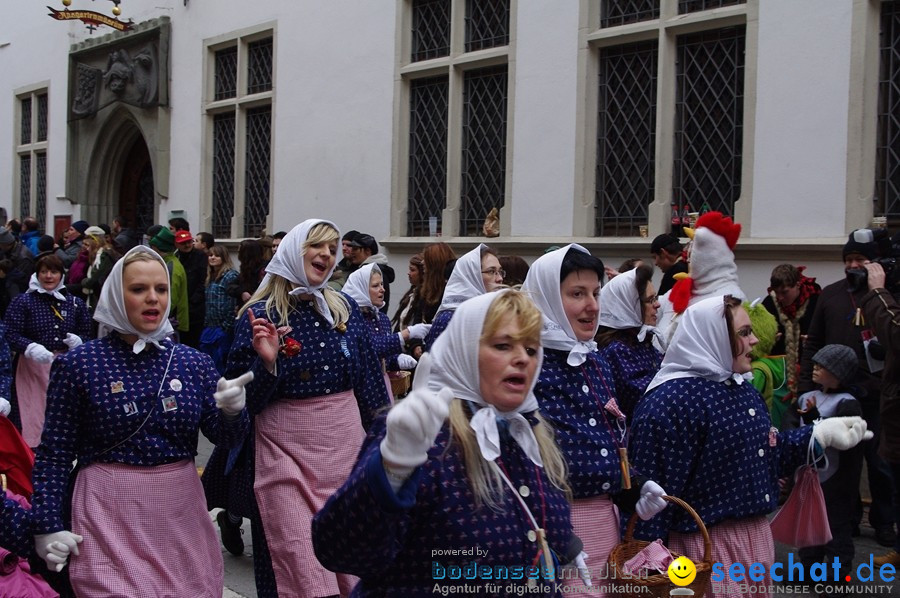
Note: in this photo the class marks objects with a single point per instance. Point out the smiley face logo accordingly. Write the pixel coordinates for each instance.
(682, 571)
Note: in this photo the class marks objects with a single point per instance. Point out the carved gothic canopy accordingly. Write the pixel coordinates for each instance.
(126, 68)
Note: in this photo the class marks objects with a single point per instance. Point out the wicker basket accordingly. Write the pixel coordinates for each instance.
(399, 383)
(658, 585)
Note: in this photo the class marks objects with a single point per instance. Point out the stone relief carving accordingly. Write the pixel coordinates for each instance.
(87, 90)
(129, 75)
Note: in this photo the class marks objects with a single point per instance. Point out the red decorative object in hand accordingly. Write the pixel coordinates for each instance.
(290, 347)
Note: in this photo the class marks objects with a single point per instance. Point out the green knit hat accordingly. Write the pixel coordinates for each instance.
(164, 240)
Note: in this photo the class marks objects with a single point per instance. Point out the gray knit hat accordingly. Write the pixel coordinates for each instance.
(840, 360)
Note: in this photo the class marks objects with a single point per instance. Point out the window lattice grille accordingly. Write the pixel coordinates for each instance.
(25, 136)
(427, 153)
(430, 29)
(626, 138)
(223, 174)
(709, 117)
(25, 185)
(259, 68)
(42, 117)
(40, 191)
(483, 146)
(621, 12)
(686, 6)
(487, 24)
(226, 73)
(258, 162)
(887, 161)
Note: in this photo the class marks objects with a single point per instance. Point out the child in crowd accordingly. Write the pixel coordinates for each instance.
(834, 368)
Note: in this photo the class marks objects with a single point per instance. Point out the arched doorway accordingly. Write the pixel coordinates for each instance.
(136, 189)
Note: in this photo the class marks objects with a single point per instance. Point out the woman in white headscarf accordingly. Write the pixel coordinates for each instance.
(41, 323)
(486, 486)
(128, 408)
(575, 391)
(366, 287)
(704, 432)
(628, 306)
(475, 273)
(318, 387)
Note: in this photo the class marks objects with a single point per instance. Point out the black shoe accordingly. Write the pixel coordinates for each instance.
(231, 534)
(885, 535)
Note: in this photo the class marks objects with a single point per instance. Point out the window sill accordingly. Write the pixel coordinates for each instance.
(786, 249)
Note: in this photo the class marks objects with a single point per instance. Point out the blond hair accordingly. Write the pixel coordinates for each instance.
(484, 480)
(276, 292)
(142, 256)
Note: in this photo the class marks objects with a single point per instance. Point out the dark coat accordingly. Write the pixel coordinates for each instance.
(882, 312)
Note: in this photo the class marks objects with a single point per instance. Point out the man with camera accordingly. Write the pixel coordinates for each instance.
(839, 319)
(882, 312)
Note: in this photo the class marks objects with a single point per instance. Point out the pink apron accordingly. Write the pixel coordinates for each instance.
(32, 380)
(305, 450)
(146, 533)
(596, 522)
(734, 541)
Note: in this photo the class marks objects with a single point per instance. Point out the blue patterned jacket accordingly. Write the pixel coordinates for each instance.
(106, 404)
(633, 367)
(572, 398)
(403, 544)
(44, 319)
(712, 444)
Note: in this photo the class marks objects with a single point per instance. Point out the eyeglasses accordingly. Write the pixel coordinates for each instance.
(650, 299)
(495, 272)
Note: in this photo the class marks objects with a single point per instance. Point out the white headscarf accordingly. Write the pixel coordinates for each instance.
(288, 263)
(455, 366)
(34, 285)
(357, 285)
(621, 306)
(543, 286)
(465, 281)
(110, 311)
(701, 347)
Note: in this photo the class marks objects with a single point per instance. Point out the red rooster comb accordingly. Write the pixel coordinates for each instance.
(722, 226)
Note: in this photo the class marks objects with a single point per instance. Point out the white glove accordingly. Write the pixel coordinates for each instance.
(230, 395)
(414, 422)
(406, 362)
(5, 407)
(55, 548)
(841, 433)
(39, 353)
(583, 572)
(651, 501)
(419, 330)
(72, 340)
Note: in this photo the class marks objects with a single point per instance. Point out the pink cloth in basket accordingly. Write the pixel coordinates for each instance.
(652, 559)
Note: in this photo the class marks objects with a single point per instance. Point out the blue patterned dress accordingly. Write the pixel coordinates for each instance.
(406, 543)
(633, 367)
(712, 444)
(386, 343)
(572, 398)
(441, 321)
(99, 395)
(329, 362)
(16, 534)
(42, 318)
